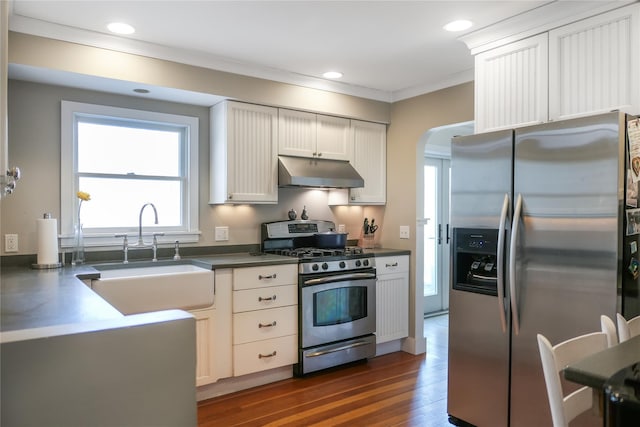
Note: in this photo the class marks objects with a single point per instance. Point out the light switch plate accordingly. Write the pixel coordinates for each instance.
(341, 228)
(222, 234)
(404, 231)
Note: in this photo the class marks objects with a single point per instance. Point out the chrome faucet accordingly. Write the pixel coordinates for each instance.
(140, 243)
(155, 212)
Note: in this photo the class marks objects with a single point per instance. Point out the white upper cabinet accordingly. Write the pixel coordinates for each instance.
(594, 65)
(244, 153)
(581, 68)
(511, 85)
(333, 137)
(370, 160)
(313, 135)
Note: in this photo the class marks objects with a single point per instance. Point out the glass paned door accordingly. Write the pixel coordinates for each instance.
(436, 235)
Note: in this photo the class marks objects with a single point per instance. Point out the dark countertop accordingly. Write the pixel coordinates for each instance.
(595, 370)
(41, 298)
(378, 252)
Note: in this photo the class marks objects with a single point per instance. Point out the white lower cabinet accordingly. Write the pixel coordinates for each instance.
(205, 346)
(265, 318)
(392, 298)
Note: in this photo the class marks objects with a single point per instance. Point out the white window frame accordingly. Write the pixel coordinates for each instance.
(70, 111)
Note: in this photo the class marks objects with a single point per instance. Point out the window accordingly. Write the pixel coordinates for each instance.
(125, 158)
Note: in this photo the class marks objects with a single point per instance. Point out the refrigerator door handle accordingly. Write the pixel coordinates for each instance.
(515, 227)
(448, 236)
(500, 262)
(439, 234)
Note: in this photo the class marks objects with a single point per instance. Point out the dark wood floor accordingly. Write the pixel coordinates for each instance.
(397, 389)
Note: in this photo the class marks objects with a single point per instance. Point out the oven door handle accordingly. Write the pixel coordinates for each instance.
(339, 278)
(333, 350)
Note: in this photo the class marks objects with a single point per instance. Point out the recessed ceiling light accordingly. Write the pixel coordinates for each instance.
(121, 28)
(459, 25)
(332, 75)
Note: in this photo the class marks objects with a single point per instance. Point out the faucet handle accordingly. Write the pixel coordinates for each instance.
(125, 247)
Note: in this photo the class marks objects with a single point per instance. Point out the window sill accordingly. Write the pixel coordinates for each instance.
(94, 240)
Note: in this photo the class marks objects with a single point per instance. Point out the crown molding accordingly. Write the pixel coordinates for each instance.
(539, 20)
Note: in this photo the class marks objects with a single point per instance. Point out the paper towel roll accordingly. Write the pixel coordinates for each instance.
(47, 230)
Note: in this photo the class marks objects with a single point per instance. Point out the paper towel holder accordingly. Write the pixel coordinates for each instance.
(46, 266)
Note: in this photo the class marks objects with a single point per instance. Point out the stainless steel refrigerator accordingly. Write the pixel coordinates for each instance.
(539, 246)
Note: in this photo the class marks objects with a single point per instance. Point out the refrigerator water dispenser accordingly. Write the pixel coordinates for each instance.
(475, 262)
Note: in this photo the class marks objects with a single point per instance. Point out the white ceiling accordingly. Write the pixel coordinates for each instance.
(387, 50)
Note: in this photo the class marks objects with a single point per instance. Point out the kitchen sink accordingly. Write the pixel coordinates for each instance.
(135, 289)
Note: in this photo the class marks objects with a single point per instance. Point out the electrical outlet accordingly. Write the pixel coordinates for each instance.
(341, 228)
(404, 231)
(11, 243)
(222, 234)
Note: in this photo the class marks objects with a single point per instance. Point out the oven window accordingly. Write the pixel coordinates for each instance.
(340, 305)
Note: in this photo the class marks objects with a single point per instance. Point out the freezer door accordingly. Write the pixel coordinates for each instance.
(478, 378)
(481, 175)
(570, 177)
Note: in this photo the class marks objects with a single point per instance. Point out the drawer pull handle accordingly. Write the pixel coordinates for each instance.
(262, 356)
(395, 264)
(267, 325)
(270, 276)
(273, 298)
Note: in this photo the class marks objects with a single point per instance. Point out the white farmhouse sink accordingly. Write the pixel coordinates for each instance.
(134, 290)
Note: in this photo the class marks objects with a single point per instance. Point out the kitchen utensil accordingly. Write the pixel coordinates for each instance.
(330, 240)
(372, 227)
(292, 214)
(365, 226)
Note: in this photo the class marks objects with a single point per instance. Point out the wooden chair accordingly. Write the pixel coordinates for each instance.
(554, 360)
(628, 328)
(609, 328)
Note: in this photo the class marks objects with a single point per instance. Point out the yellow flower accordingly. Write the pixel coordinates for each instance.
(83, 196)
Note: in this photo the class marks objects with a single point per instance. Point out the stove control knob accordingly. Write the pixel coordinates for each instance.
(325, 266)
(315, 267)
(358, 263)
(365, 262)
(342, 264)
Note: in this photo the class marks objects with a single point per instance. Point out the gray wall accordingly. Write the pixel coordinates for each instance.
(34, 145)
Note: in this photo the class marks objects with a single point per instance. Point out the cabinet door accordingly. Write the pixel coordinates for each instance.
(296, 133)
(333, 137)
(392, 306)
(370, 160)
(244, 155)
(511, 85)
(594, 65)
(205, 346)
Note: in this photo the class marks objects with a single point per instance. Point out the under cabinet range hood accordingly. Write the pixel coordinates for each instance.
(317, 173)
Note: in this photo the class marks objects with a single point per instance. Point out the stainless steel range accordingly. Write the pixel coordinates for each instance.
(336, 295)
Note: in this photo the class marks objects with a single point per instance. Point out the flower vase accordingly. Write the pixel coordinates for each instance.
(78, 246)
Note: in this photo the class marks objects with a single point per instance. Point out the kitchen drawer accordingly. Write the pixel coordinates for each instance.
(264, 324)
(268, 275)
(266, 354)
(392, 264)
(262, 298)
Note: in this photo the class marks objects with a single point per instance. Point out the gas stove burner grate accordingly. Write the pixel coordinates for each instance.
(318, 252)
